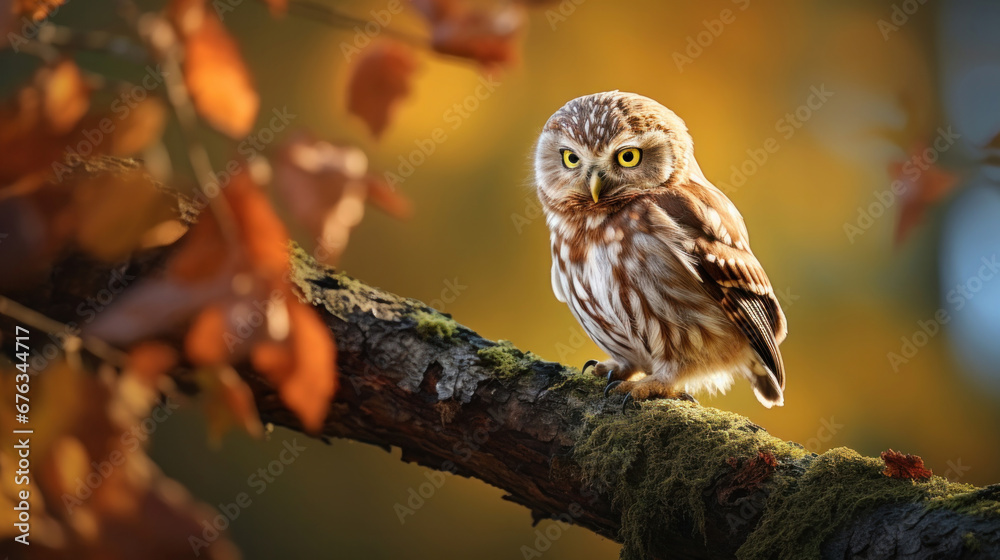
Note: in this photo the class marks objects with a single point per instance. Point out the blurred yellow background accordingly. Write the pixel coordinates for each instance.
(478, 249)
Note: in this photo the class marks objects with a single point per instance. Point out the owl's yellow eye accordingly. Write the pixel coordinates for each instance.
(629, 157)
(570, 160)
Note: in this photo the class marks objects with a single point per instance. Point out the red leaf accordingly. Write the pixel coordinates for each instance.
(747, 476)
(389, 200)
(924, 184)
(381, 79)
(487, 35)
(304, 367)
(214, 71)
(325, 187)
(39, 124)
(898, 465)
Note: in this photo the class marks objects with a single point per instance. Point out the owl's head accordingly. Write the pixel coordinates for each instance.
(601, 149)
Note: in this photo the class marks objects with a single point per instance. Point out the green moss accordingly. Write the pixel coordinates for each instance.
(968, 502)
(971, 542)
(573, 378)
(657, 464)
(835, 487)
(505, 360)
(435, 325)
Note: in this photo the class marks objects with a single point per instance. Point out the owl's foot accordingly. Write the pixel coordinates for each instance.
(609, 369)
(645, 389)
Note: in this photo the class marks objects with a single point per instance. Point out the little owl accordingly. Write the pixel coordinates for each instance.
(652, 259)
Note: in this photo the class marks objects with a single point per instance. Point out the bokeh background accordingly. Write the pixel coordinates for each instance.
(477, 248)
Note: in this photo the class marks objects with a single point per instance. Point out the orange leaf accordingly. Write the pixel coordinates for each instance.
(36, 9)
(278, 7)
(115, 211)
(389, 200)
(214, 71)
(151, 360)
(228, 402)
(748, 476)
(38, 125)
(487, 35)
(205, 343)
(381, 79)
(923, 185)
(263, 233)
(898, 465)
(142, 126)
(304, 371)
(202, 252)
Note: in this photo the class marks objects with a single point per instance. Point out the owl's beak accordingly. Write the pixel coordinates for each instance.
(596, 182)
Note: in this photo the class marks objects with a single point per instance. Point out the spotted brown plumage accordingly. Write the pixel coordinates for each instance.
(651, 258)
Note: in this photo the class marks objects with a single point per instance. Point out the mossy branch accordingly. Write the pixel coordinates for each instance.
(670, 480)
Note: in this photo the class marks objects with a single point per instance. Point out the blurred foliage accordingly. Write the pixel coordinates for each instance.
(476, 247)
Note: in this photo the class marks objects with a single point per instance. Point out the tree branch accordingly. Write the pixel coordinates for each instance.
(671, 479)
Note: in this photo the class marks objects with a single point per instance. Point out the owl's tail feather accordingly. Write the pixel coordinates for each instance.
(766, 387)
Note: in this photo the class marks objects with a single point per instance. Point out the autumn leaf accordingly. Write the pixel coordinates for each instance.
(303, 367)
(489, 35)
(150, 361)
(214, 71)
(238, 304)
(325, 188)
(36, 9)
(92, 480)
(919, 185)
(898, 465)
(379, 81)
(228, 402)
(388, 199)
(114, 211)
(747, 476)
(278, 7)
(142, 126)
(38, 124)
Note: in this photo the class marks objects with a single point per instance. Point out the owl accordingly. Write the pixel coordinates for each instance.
(652, 259)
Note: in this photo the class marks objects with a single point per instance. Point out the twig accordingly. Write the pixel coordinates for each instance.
(313, 11)
(36, 320)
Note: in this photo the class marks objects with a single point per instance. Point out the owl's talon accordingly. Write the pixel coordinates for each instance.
(589, 364)
(682, 396)
(611, 385)
(628, 401)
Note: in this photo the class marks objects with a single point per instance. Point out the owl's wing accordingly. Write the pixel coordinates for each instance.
(719, 247)
(556, 283)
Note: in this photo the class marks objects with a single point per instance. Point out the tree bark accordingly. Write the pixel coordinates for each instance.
(667, 479)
